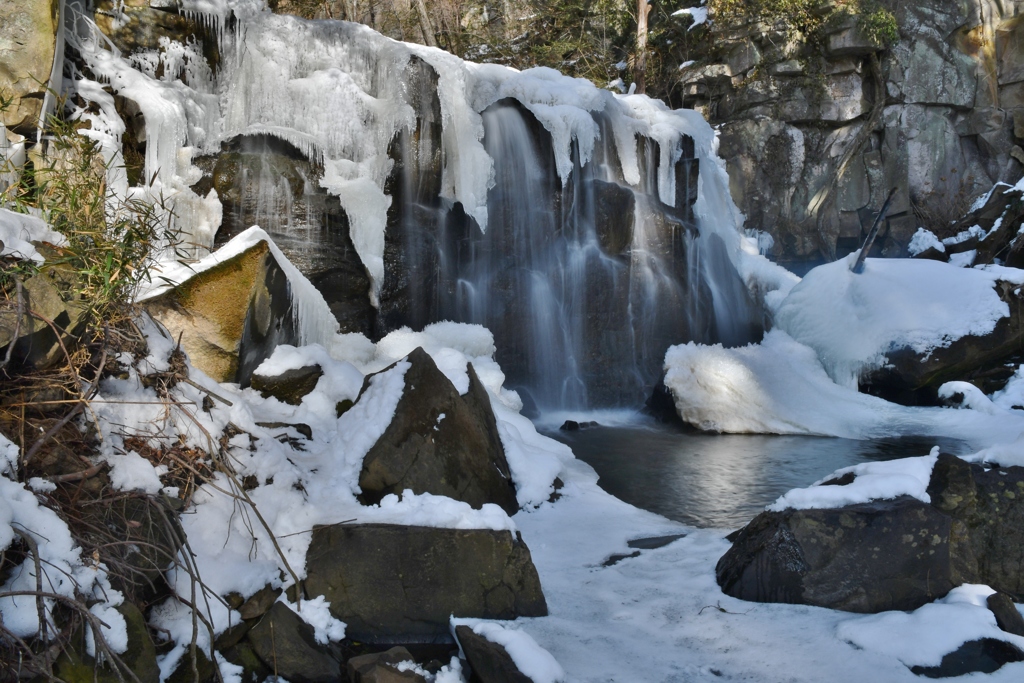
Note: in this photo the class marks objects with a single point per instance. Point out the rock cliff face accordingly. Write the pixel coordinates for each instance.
(815, 134)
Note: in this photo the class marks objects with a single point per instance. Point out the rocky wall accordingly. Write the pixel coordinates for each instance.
(943, 110)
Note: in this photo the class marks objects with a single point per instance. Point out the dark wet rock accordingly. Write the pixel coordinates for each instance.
(570, 426)
(440, 442)
(887, 554)
(289, 386)
(381, 667)
(286, 645)
(613, 560)
(911, 377)
(231, 317)
(841, 480)
(392, 583)
(871, 557)
(489, 661)
(654, 542)
(984, 656)
(204, 670)
(614, 207)
(1008, 617)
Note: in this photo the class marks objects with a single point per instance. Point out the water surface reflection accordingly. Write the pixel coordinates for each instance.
(721, 481)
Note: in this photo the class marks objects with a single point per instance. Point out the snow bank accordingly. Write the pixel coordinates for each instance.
(780, 387)
(19, 230)
(874, 481)
(924, 636)
(852, 320)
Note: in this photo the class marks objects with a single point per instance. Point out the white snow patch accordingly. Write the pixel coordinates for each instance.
(923, 240)
(853, 319)
(19, 230)
(924, 636)
(874, 481)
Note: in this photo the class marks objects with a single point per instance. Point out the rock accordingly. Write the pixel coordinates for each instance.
(984, 656)
(889, 554)
(289, 386)
(28, 32)
(253, 668)
(73, 665)
(258, 604)
(852, 42)
(232, 316)
(439, 442)
(490, 662)
(871, 557)
(285, 643)
(614, 207)
(380, 667)
(914, 378)
(1008, 617)
(51, 294)
(205, 671)
(393, 583)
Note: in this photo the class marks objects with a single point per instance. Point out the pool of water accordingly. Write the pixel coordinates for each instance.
(720, 481)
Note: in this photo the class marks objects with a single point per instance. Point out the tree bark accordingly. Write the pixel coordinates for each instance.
(425, 26)
(643, 8)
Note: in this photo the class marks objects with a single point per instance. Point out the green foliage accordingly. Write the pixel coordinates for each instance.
(810, 18)
(112, 239)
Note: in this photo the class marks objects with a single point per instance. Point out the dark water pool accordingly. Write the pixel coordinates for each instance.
(720, 481)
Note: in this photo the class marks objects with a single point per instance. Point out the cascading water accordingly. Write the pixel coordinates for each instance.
(588, 231)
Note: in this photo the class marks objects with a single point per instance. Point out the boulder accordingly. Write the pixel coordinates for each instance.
(439, 442)
(289, 386)
(1008, 617)
(871, 557)
(490, 662)
(392, 583)
(912, 377)
(285, 643)
(232, 316)
(50, 293)
(887, 554)
(28, 44)
(381, 667)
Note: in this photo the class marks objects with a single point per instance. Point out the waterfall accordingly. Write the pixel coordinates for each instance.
(589, 231)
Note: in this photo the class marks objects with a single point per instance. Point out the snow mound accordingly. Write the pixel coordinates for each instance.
(531, 659)
(780, 387)
(852, 320)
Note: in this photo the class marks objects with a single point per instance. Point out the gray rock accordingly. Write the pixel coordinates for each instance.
(285, 643)
(614, 207)
(439, 442)
(393, 583)
(289, 386)
(490, 662)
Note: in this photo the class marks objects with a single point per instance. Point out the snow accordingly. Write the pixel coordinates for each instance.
(780, 387)
(923, 240)
(922, 637)
(852, 320)
(531, 659)
(316, 613)
(699, 15)
(132, 472)
(874, 481)
(19, 230)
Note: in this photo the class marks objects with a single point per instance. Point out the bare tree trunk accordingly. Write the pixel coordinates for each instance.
(643, 8)
(425, 27)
